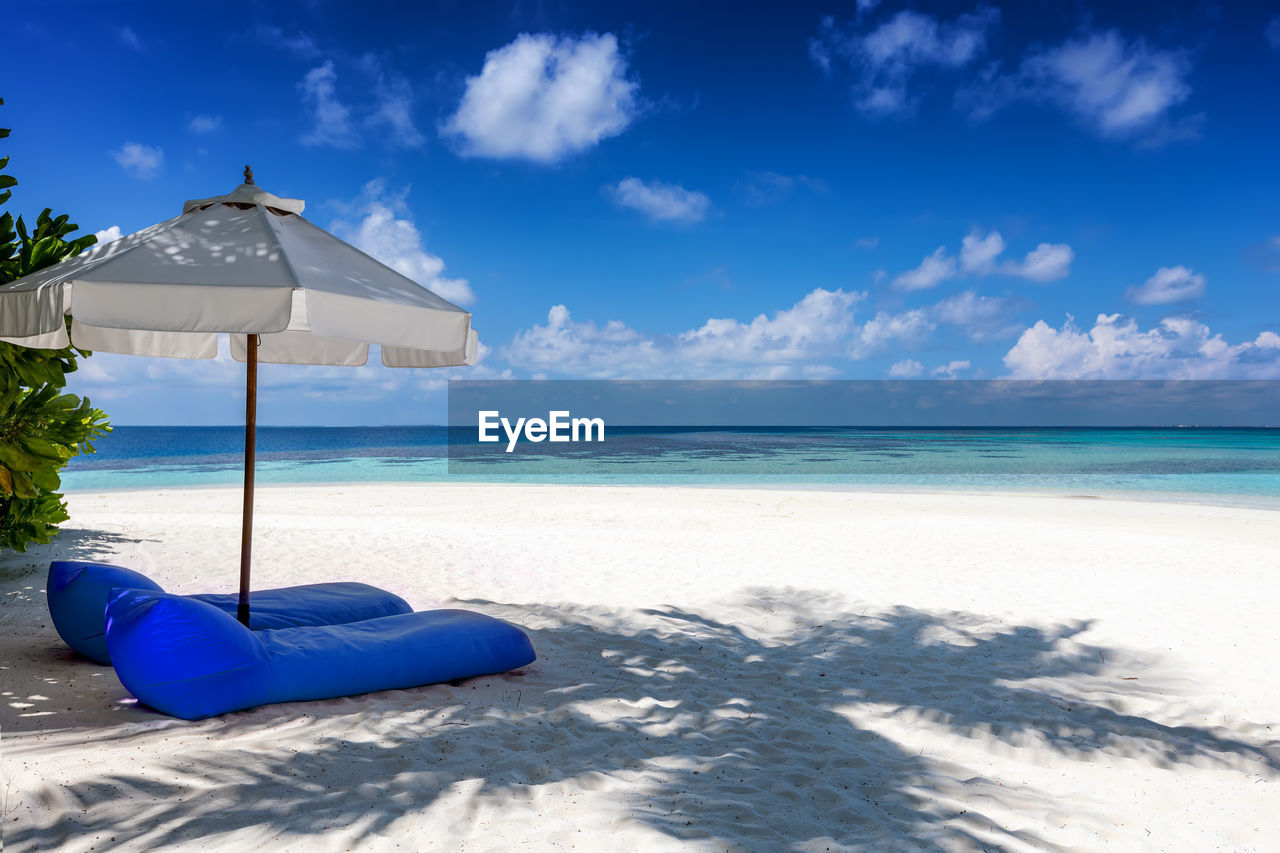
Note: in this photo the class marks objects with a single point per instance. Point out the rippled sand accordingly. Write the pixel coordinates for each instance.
(734, 669)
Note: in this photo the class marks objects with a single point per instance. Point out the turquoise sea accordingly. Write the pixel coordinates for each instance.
(1235, 465)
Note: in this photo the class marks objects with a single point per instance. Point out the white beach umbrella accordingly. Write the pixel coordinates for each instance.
(245, 264)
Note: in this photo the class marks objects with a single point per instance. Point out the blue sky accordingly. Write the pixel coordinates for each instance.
(696, 190)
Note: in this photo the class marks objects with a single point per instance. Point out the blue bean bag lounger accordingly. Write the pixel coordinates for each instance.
(77, 593)
(187, 658)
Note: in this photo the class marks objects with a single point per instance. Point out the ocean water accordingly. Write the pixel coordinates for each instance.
(1232, 465)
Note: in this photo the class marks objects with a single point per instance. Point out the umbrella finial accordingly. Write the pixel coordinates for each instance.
(248, 175)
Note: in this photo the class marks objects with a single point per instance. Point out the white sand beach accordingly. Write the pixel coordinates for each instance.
(718, 669)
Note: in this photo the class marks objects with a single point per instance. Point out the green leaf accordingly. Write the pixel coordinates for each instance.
(44, 448)
(46, 480)
(19, 460)
(22, 485)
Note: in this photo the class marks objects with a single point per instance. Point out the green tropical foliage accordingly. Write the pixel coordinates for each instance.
(40, 427)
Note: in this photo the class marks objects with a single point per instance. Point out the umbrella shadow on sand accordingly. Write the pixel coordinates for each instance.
(44, 682)
(708, 731)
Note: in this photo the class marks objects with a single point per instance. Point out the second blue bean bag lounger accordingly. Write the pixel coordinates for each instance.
(190, 659)
(77, 593)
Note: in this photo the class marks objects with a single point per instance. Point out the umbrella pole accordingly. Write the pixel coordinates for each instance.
(250, 441)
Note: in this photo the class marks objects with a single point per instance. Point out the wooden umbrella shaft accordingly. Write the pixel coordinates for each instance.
(250, 450)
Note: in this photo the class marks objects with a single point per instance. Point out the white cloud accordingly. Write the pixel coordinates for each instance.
(1046, 262)
(908, 328)
(542, 98)
(108, 235)
(906, 369)
(384, 230)
(1115, 348)
(204, 124)
(330, 117)
(140, 161)
(933, 270)
(982, 318)
(811, 326)
(885, 59)
(1169, 284)
(583, 349)
(793, 342)
(1117, 86)
(978, 254)
(661, 202)
(950, 369)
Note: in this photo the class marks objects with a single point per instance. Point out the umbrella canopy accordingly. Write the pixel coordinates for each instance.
(245, 264)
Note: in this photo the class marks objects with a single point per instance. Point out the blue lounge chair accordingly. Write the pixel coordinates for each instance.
(77, 593)
(190, 659)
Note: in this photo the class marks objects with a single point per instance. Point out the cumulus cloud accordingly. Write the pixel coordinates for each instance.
(331, 119)
(660, 202)
(140, 161)
(908, 328)
(793, 342)
(543, 98)
(566, 346)
(1169, 284)
(981, 318)
(1119, 87)
(798, 333)
(380, 225)
(978, 254)
(933, 270)
(108, 235)
(906, 369)
(883, 60)
(1046, 262)
(951, 369)
(1115, 348)
(204, 124)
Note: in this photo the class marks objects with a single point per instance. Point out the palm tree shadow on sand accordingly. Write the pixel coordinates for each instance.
(713, 730)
